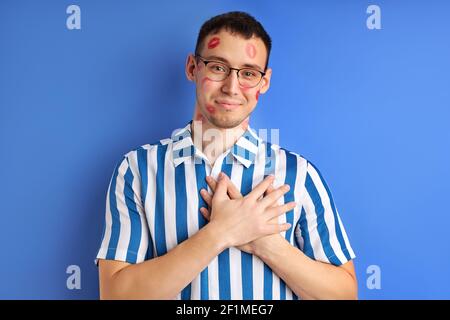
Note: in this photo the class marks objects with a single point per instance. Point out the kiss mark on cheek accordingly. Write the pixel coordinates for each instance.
(245, 89)
(214, 42)
(250, 50)
(257, 95)
(205, 80)
(210, 109)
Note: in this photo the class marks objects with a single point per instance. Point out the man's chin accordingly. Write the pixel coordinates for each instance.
(226, 123)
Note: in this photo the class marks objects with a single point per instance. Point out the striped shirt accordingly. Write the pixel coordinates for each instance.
(153, 204)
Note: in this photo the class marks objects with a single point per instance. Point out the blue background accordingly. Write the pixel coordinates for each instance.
(370, 108)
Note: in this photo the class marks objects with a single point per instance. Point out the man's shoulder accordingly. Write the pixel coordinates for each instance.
(148, 147)
(302, 162)
(291, 156)
(164, 143)
(293, 161)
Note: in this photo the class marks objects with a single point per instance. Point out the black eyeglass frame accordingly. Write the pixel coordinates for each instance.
(231, 69)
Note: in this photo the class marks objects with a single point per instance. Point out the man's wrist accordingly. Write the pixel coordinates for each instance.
(267, 250)
(217, 235)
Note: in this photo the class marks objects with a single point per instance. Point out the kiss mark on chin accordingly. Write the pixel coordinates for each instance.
(214, 42)
(251, 50)
(210, 109)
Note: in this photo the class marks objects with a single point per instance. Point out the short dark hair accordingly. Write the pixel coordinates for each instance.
(236, 22)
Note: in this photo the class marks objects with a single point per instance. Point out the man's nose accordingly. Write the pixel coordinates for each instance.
(231, 84)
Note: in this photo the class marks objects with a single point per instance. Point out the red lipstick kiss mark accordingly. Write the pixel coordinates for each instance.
(205, 79)
(210, 109)
(251, 50)
(257, 95)
(214, 42)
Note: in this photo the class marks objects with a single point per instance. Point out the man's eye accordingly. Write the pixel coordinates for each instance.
(249, 74)
(218, 68)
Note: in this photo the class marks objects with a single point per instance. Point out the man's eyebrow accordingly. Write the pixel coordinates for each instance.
(246, 65)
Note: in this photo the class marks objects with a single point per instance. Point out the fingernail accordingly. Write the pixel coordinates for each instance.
(220, 176)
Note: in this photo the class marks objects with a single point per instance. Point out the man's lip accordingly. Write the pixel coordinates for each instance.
(228, 106)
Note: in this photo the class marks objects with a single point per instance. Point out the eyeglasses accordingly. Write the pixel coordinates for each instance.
(219, 71)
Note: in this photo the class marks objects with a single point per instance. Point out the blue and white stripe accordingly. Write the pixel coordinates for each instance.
(153, 203)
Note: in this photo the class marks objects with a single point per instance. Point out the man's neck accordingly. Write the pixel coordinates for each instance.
(214, 141)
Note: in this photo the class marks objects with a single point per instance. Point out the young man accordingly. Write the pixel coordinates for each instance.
(214, 212)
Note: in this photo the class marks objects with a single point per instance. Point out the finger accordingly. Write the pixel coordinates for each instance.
(206, 196)
(221, 189)
(277, 228)
(205, 213)
(270, 189)
(233, 192)
(279, 210)
(273, 197)
(259, 190)
(211, 183)
(273, 220)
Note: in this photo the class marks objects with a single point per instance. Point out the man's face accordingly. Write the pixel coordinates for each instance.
(227, 103)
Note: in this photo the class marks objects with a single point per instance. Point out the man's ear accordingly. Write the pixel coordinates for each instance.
(265, 81)
(190, 67)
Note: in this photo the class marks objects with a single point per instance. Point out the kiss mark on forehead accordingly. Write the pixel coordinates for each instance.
(214, 42)
(250, 50)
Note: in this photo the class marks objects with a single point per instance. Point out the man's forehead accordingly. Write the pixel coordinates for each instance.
(234, 36)
(253, 49)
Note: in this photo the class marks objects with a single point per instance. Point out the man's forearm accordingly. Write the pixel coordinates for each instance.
(164, 277)
(308, 278)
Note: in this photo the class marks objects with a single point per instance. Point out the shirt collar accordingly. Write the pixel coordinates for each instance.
(244, 150)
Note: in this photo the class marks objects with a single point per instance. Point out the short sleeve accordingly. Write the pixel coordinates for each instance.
(125, 233)
(319, 231)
